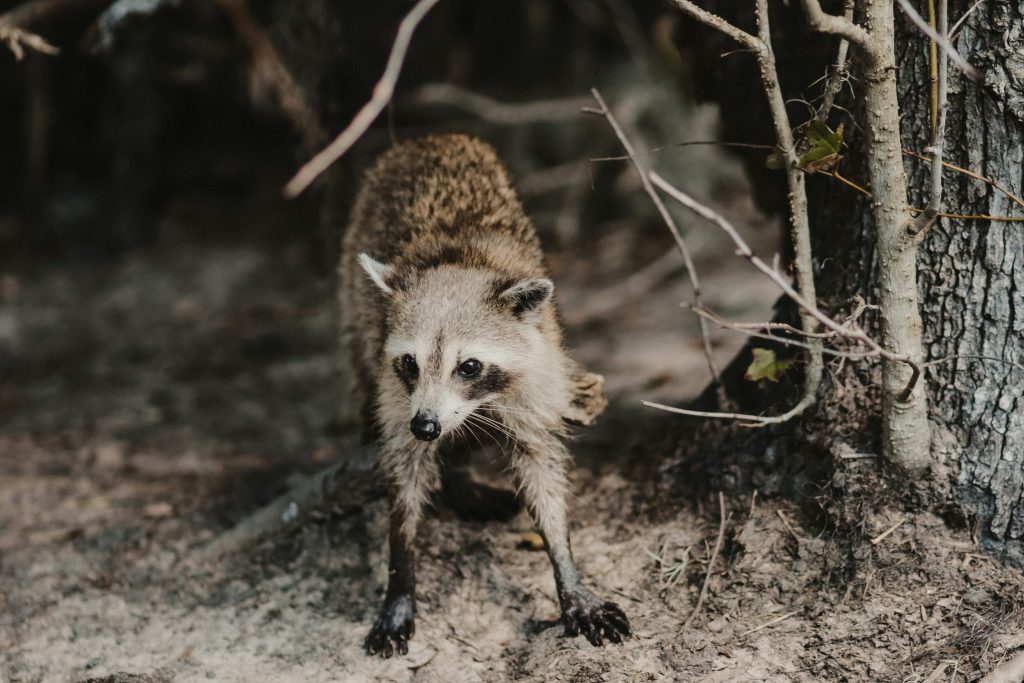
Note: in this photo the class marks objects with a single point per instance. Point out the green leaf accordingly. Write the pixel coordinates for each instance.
(766, 366)
(823, 147)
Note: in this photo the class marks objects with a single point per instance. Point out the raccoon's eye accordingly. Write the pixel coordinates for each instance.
(470, 368)
(409, 365)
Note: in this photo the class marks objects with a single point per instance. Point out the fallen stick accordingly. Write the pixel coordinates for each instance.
(303, 496)
(711, 563)
(885, 534)
(774, 621)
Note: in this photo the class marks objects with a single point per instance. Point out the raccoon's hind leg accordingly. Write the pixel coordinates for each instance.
(540, 468)
(469, 499)
(411, 473)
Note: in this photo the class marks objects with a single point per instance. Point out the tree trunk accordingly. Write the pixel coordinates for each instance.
(972, 272)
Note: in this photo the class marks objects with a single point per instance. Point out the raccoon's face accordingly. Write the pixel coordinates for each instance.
(458, 341)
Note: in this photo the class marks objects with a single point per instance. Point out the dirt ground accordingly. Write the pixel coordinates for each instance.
(150, 403)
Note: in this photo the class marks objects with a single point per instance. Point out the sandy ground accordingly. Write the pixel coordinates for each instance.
(150, 403)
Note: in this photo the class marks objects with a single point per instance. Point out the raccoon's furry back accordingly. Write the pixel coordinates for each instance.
(443, 199)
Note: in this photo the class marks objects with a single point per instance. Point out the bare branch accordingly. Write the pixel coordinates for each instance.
(839, 74)
(691, 269)
(17, 39)
(719, 24)
(967, 172)
(795, 178)
(927, 218)
(711, 562)
(959, 22)
(382, 93)
(823, 22)
(748, 420)
(493, 111)
(17, 26)
(940, 39)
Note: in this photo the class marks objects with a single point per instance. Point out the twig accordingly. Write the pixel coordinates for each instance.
(493, 111)
(967, 172)
(1010, 671)
(719, 24)
(786, 341)
(774, 621)
(745, 251)
(927, 218)
(748, 420)
(789, 527)
(940, 39)
(687, 143)
(823, 22)
(691, 269)
(711, 562)
(885, 534)
(796, 179)
(933, 68)
(839, 73)
(17, 39)
(382, 93)
(15, 24)
(942, 214)
(962, 19)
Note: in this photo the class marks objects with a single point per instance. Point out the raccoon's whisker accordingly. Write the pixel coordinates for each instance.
(502, 406)
(471, 430)
(498, 426)
(490, 426)
(495, 423)
(486, 431)
(491, 405)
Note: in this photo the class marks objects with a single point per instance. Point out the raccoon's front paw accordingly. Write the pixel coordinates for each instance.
(596, 620)
(393, 628)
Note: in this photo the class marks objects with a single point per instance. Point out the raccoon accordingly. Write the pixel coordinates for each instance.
(449, 324)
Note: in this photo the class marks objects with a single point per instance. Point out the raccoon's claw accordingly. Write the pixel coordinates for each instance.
(595, 620)
(393, 629)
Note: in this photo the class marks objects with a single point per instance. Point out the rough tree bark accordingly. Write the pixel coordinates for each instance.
(972, 273)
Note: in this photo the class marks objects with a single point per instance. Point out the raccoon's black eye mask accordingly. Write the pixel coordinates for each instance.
(408, 371)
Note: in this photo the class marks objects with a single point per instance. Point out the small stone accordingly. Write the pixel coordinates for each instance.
(718, 625)
(110, 455)
(157, 510)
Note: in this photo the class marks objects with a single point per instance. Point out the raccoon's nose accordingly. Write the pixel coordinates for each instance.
(425, 427)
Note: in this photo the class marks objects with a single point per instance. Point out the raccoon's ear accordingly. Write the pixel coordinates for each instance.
(377, 271)
(527, 295)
